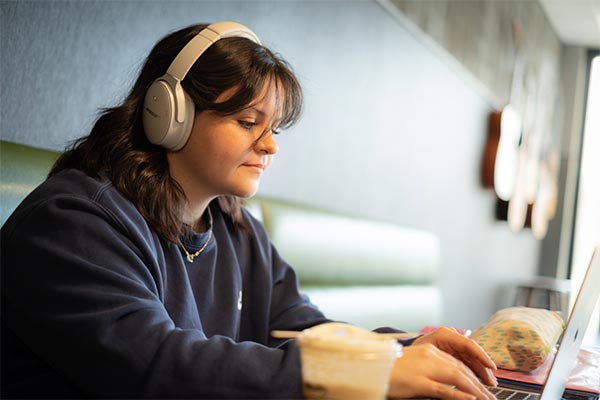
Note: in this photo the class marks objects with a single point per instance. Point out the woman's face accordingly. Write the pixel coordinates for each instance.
(227, 155)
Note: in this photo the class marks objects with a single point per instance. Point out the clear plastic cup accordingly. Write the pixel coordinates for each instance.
(340, 361)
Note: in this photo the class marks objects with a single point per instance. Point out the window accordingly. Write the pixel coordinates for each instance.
(586, 233)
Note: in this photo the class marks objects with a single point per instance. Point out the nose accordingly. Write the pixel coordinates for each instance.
(266, 144)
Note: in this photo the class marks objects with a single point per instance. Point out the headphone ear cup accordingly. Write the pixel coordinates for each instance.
(181, 132)
(159, 111)
(160, 108)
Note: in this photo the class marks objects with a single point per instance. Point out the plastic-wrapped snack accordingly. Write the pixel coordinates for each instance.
(520, 338)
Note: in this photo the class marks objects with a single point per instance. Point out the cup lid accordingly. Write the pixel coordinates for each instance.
(335, 336)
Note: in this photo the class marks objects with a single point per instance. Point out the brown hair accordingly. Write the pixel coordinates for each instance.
(117, 146)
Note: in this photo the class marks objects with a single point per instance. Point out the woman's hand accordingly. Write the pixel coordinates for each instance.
(464, 349)
(436, 366)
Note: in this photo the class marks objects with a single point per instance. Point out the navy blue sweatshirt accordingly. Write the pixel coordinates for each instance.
(96, 304)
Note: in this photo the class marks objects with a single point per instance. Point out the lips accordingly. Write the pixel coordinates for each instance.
(257, 167)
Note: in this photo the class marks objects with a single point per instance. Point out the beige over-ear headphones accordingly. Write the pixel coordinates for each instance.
(168, 114)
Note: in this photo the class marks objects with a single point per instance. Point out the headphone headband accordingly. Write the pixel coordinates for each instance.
(202, 41)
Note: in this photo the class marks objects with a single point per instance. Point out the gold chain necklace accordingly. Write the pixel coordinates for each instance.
(190, 257)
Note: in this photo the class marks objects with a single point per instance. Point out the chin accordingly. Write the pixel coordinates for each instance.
(246, 192)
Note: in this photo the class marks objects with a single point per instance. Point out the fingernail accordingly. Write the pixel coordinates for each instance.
(492, 378)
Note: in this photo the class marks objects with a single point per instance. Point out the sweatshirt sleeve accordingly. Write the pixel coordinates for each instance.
(78, 291)
(290, 309)
(287, 307)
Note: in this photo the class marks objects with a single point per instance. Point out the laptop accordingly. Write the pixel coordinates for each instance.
(570, 344)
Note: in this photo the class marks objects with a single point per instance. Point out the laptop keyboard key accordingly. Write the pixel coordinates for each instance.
(508, 394)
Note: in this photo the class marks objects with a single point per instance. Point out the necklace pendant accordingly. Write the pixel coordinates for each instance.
(190, 257)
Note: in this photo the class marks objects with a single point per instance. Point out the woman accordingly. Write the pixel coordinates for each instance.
(133, 270)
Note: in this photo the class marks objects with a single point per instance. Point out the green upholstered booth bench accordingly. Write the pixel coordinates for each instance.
(360, 271)
(22, 168)
(364, 272)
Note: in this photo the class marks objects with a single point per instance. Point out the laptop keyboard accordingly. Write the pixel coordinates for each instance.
(512, 394)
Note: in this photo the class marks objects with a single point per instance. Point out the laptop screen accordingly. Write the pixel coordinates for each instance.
(572, 337)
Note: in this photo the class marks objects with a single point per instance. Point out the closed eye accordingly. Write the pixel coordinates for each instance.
(246, 124)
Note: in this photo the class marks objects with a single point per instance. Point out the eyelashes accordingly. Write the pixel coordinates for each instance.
(249, 125)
